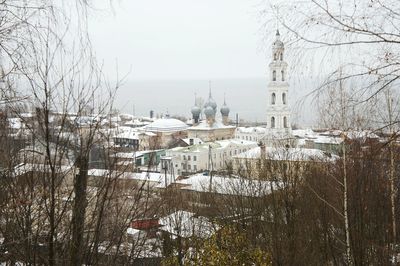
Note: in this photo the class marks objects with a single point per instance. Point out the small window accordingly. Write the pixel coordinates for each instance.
(274, 75)
(284, 98)
(184, 157)
(194, 158)
(188, 157)
(281, 55)
(283, 75)
(195, 167)
(275, 56)
(272, 122)
(189, 167)
(273, 98)
(285, 122)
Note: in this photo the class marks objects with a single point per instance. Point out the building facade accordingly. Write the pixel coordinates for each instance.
(213, 156)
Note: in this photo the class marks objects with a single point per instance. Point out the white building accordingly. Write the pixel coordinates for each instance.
(278, 111)
(250, 133)
(207, 156)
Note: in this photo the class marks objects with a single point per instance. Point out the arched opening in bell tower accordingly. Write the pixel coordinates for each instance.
(285, 125)
(273, 98)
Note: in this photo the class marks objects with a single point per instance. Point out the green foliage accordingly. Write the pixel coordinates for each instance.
(229, 246)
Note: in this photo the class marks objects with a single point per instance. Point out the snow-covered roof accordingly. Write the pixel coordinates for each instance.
(203, 125)
(124, 155)
(259, 130)
(227, 185)
(85, 120)
(363, 135)
(27, 115)
(136, 123)
(219, 144)
(328, 140)
(186, 224)
(132, 231)
(304, 133)
(158, 179)
(166, 125)
(287, 154)
(26, 168)
(15, 123)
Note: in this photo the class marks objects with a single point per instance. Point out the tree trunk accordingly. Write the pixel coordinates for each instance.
(78, 214)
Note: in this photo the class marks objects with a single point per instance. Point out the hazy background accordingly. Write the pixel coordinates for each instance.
(169, 50)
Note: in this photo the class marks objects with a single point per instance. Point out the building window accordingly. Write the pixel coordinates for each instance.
(283, 75)
(195, 167)
(191, 141)
(274, 75)
(273, 98)
(184, 157)
(188, 157)
(275, 56)
(285, 122)
(281, 56)
(284, 98)
(189, 167)
(194, 158)
(272, 122)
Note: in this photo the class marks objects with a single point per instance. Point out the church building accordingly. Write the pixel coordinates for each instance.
(211, 129)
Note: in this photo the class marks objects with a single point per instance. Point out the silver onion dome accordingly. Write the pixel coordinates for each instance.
(225, 110)
(209, 111)
(210, 102)
(196, 111)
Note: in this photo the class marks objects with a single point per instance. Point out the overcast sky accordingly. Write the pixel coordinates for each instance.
(181, 39)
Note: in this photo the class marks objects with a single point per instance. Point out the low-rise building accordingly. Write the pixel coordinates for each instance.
(250, 133)
(207, 156)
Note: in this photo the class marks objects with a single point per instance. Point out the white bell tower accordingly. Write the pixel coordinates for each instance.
(278, 111)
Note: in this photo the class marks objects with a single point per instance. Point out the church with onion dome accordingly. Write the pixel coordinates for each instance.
(210, 128)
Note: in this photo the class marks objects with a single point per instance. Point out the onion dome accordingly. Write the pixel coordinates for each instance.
(225, 110)
(196, 111)
(209, 111)
(210, 102)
